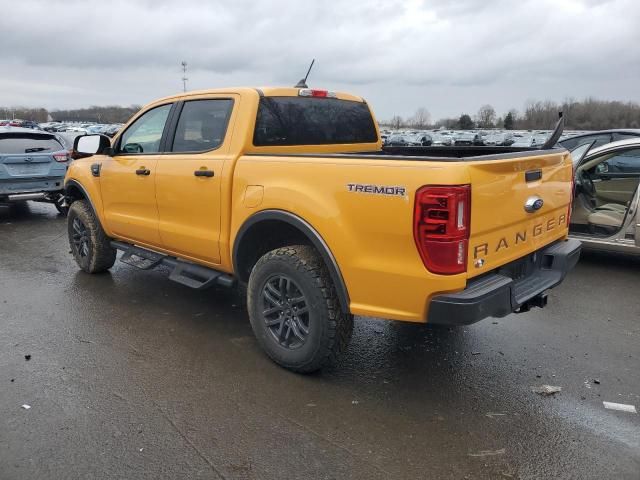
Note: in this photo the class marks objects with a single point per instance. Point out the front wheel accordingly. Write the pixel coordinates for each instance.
(294, 309)
(89, 244)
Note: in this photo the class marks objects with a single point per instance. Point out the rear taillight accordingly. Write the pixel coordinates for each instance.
(441, 227)
(61, 157)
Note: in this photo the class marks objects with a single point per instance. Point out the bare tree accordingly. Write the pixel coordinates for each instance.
(486, 116)
(420, 119)
(397, 122)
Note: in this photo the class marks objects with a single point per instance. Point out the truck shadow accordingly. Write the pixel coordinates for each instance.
(20, 212)
(610, 260)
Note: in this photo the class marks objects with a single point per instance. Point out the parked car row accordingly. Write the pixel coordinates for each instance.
(109, 129)
(515, 138)
(448, 138)
(19, 123)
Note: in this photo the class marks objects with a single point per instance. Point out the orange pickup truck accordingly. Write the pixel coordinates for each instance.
(289, 191)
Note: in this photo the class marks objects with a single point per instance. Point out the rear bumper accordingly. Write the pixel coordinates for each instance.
(502, 292)
(31, 185)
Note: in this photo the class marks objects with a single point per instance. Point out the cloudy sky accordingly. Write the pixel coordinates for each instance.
(449, 56)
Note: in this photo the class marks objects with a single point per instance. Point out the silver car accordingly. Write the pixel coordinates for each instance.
(605, 213)
(32, 166)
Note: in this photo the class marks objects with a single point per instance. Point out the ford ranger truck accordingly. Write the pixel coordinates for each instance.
(288, 192)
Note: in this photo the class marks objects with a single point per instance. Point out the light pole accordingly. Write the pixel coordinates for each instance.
(184, 76)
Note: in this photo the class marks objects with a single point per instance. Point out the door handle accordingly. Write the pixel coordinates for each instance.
(143, 171)
(203, 173)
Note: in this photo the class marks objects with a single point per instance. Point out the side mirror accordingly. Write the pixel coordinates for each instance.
(87, 145)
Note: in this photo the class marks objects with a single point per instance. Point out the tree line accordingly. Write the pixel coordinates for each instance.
(588, 114)
(97, 114)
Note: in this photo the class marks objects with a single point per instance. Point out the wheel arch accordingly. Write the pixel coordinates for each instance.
(74, 190)
(282, 228)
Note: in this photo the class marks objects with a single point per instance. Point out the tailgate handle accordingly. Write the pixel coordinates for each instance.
(533, 175)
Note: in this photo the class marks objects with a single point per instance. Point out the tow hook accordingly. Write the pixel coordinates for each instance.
(539, 301)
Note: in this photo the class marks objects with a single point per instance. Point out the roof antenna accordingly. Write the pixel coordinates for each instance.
(303, 82)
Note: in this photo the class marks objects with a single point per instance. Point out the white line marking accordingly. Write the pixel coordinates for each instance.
(487, 453)
(620, 406)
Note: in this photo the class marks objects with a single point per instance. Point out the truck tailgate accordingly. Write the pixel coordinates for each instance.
(502, 229)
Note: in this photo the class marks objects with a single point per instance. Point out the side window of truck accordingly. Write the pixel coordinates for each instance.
(202, 125)
(144, 135)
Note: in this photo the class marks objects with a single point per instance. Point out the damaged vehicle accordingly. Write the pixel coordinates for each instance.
(605, 209)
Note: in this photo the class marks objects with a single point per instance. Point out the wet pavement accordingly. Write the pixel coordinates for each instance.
(134, 376)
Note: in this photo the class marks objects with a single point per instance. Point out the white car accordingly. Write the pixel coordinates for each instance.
(76, 128)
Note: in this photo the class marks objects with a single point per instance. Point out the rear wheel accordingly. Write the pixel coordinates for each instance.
(294, 309)
(60, 206)
(89, 244)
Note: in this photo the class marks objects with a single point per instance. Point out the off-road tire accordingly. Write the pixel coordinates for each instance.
(329, 327)
(99, 256)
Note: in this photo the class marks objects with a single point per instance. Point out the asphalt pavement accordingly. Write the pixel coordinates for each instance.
(131, 376)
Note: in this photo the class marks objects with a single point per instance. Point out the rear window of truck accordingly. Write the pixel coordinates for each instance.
(12, 144)
(287, 121)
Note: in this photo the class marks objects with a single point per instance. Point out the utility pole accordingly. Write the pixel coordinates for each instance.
(184, 76)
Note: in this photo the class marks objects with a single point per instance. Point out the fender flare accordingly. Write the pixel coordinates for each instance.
(78, 185)
(311, 233)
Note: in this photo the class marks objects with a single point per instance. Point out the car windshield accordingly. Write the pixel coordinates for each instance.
(13, 144)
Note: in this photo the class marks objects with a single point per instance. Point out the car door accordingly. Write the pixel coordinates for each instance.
(616, 179)
(127, 179)
(189, 177)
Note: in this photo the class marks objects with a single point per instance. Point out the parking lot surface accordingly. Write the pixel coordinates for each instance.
(133, 376)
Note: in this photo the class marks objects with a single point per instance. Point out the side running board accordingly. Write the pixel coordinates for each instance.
(183, 272)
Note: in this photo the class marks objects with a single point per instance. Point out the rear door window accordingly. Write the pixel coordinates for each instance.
(26, 143)
(286, 121)
(202, 125)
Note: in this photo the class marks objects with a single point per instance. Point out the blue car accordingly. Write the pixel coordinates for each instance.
(32, 166)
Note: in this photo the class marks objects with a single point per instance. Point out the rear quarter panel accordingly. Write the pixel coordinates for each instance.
(370, 235)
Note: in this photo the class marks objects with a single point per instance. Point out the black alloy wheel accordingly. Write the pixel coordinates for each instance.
(285, 311)
(80, 238)
(294, 309)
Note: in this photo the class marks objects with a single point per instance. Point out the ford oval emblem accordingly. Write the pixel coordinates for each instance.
(533, 204)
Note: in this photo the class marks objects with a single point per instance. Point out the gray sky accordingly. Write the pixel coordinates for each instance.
(449, 56)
